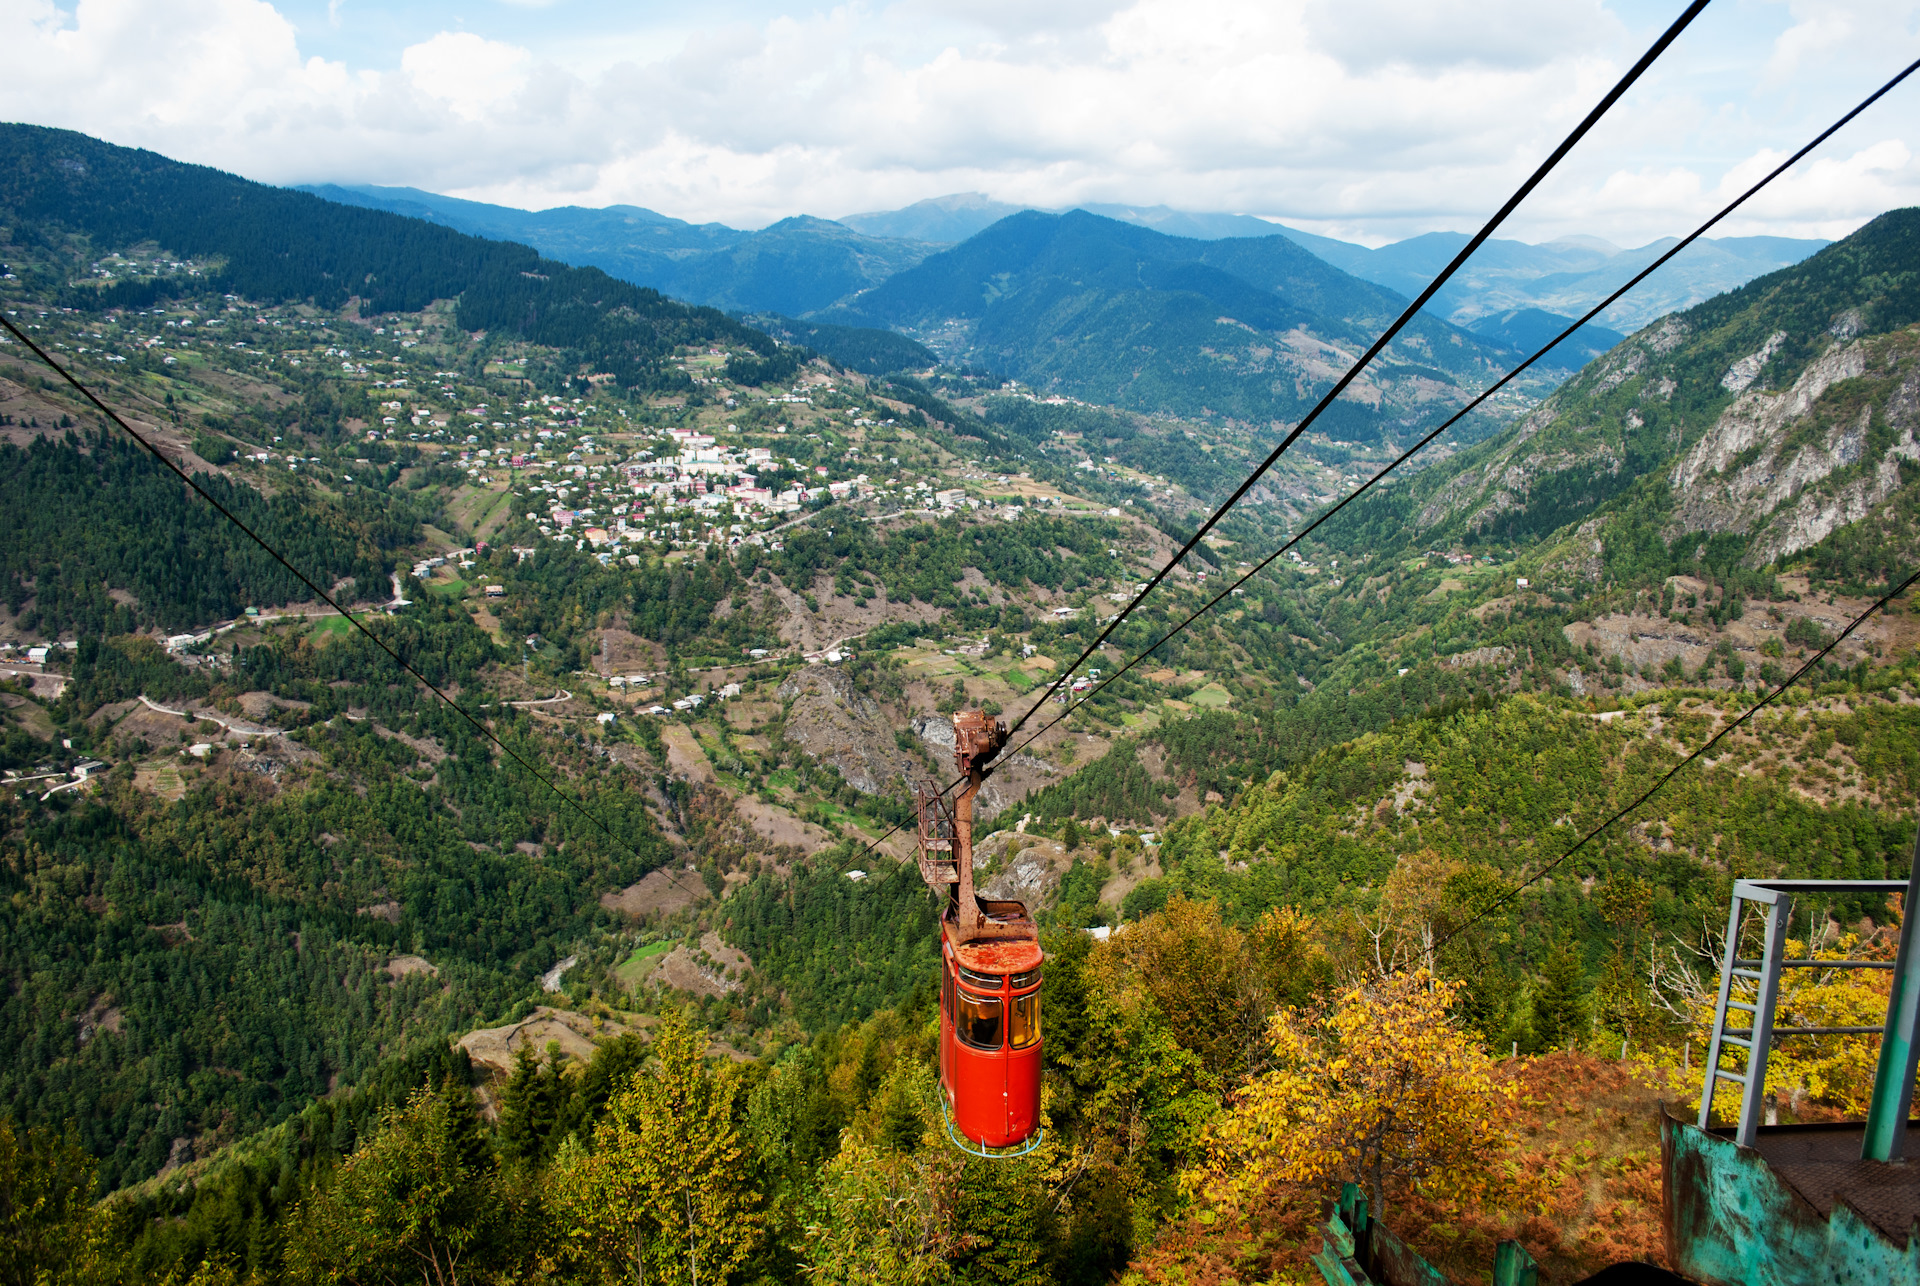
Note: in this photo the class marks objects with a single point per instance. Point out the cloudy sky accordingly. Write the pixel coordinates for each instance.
(1368, 119)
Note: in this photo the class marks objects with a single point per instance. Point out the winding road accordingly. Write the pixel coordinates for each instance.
(544, 701)
(240, 726)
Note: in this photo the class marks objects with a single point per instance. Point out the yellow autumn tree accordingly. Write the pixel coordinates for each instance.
(663, 1197)
(1382, 1088)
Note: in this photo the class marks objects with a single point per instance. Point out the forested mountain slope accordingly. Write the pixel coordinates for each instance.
(274, 244)
(794, 266)
(1247, 329)
(571, 234)
(1771, 417)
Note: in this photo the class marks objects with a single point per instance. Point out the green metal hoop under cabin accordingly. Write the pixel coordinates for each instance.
(1836, 1202)
(972, 1149)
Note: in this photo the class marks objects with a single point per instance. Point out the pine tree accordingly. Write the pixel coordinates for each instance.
(552, 1096)
(1622, 1002)
(1559, 1008)
(519, 1109)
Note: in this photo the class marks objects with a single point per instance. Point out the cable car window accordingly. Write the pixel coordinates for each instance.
(979, 1020)
(1026, 979)
(946, 994)
(1023, 1026)
(984, 981)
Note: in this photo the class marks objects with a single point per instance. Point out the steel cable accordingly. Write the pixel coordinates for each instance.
(1540, 173)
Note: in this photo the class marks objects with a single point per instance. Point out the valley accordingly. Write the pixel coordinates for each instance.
(294, 933)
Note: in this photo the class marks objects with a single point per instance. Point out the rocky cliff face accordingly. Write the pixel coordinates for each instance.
(839, 725)
(1781, 412)
(1791, 467)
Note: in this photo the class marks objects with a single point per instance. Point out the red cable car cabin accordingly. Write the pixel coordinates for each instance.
(990, 1037)
(990, 1047)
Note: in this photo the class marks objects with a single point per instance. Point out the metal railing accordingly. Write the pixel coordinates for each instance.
(1886, 1120)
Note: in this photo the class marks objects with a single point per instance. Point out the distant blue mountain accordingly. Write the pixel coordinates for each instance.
(1567, 276)
(798, 265)
(946, 219)
(581, 228)
(1523, 330)
(802, 265)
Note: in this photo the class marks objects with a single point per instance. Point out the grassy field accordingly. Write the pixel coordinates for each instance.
(637, 965)
(1213, 696)
(328, 629)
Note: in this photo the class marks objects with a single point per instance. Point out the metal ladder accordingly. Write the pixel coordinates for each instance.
(1775, 898)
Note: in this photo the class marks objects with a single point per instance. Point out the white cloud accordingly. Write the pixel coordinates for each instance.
(1823, 29)
(1371, 118)
(470, 74)
(1365, 34)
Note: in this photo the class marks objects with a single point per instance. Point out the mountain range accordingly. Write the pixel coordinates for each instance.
(1750, 428)
(1247, 329)
(803, 264)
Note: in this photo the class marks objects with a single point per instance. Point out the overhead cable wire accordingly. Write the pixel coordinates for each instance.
(1353, 372)
(1387, 336)
(304, 579)
(1504, 380)
(1674, 771)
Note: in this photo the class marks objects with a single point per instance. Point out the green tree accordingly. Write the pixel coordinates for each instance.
(423, 1200)
(520, 1137)
(665, 1196)
(1000, 1211)
(883, 1217)
(540, 1105)
(1559, 1005)
(46, 1187)
(1194, 967)
(1623, 1003)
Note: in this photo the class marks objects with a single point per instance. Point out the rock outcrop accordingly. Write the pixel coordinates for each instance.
(1767, 465)
(839, 725)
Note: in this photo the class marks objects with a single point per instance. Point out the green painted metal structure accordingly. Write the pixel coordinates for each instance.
(1774, 899)
(1731, 1219)
(1899, 1050)
(1805, 1205)
(1358, 1250)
